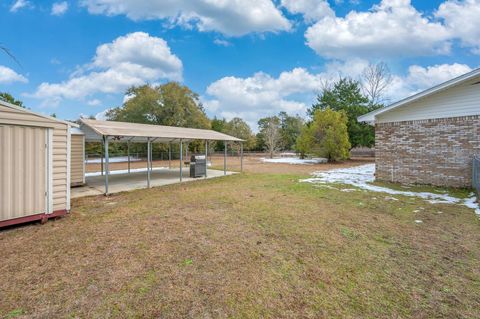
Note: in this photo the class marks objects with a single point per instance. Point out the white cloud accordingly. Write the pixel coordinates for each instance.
(257, 96)
(19, 4)
(463, 19)
(55, 61)
(421, 78)
(7, 75)
(230, 17)
(312, 10)
(133, 59)
(294, 91)
(429, 76)
(221, 42)
(94, 102)
(263, 95)
(59, 8)
(390, 29)
(102, 116)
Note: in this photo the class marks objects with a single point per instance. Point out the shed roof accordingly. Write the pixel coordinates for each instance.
(370, 117)
(25, 110)
(136, 132)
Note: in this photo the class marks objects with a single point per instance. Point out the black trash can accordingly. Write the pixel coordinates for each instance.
(198, 166)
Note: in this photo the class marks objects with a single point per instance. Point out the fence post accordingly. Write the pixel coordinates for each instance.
(206, 158)
(241, 157)
(225, 159)
(476, 174)
(181, 160)
(169, 155)
(128, 154)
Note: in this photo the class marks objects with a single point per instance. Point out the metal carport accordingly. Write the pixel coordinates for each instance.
(111, 131)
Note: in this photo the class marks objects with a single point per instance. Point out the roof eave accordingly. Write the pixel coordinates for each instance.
(370, 117)
(19, 108)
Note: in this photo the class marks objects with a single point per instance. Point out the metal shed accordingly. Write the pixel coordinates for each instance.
(77, 157)
(122, 132)
(34, 165)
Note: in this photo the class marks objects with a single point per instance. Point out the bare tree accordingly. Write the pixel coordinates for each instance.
(376, 78)
(271, 133)
(326, 84)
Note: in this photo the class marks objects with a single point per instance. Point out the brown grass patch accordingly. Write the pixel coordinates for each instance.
(245, 246)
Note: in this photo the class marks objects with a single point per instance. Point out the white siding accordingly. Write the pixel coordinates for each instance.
(462, 100)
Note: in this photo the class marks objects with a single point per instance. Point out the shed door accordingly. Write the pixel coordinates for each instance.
(23, 171)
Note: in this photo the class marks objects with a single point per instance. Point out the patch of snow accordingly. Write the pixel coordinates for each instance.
(362, 177)
(116, 159)
(472, 203)
(125, 171)
(418, 221)
(294, 160)
(390, 198)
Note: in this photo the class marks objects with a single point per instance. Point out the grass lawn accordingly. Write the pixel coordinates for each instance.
(245, 246)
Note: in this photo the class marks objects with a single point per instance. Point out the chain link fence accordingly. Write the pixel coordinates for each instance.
(120, 157)
(91, 158)
(476, 174)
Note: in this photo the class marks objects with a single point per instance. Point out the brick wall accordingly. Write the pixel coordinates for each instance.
(436, 151)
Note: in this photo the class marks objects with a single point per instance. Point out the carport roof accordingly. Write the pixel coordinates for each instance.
(121, 131)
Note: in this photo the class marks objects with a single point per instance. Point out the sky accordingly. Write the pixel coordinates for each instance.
(245, 58)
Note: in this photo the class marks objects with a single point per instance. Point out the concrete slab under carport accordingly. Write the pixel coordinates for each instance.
(95, 185)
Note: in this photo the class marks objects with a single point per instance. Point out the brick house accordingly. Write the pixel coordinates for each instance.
(430, 137)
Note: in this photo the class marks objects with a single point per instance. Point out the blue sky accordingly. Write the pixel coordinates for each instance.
(247, 58)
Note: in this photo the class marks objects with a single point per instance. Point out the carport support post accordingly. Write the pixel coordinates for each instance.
(101, 157)
(206, 158)
(149, 158)
(241, 157)
(105, 143)
(225, 159)
(181, 159)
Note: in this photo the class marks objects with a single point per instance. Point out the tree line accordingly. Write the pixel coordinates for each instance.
(330, 130)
